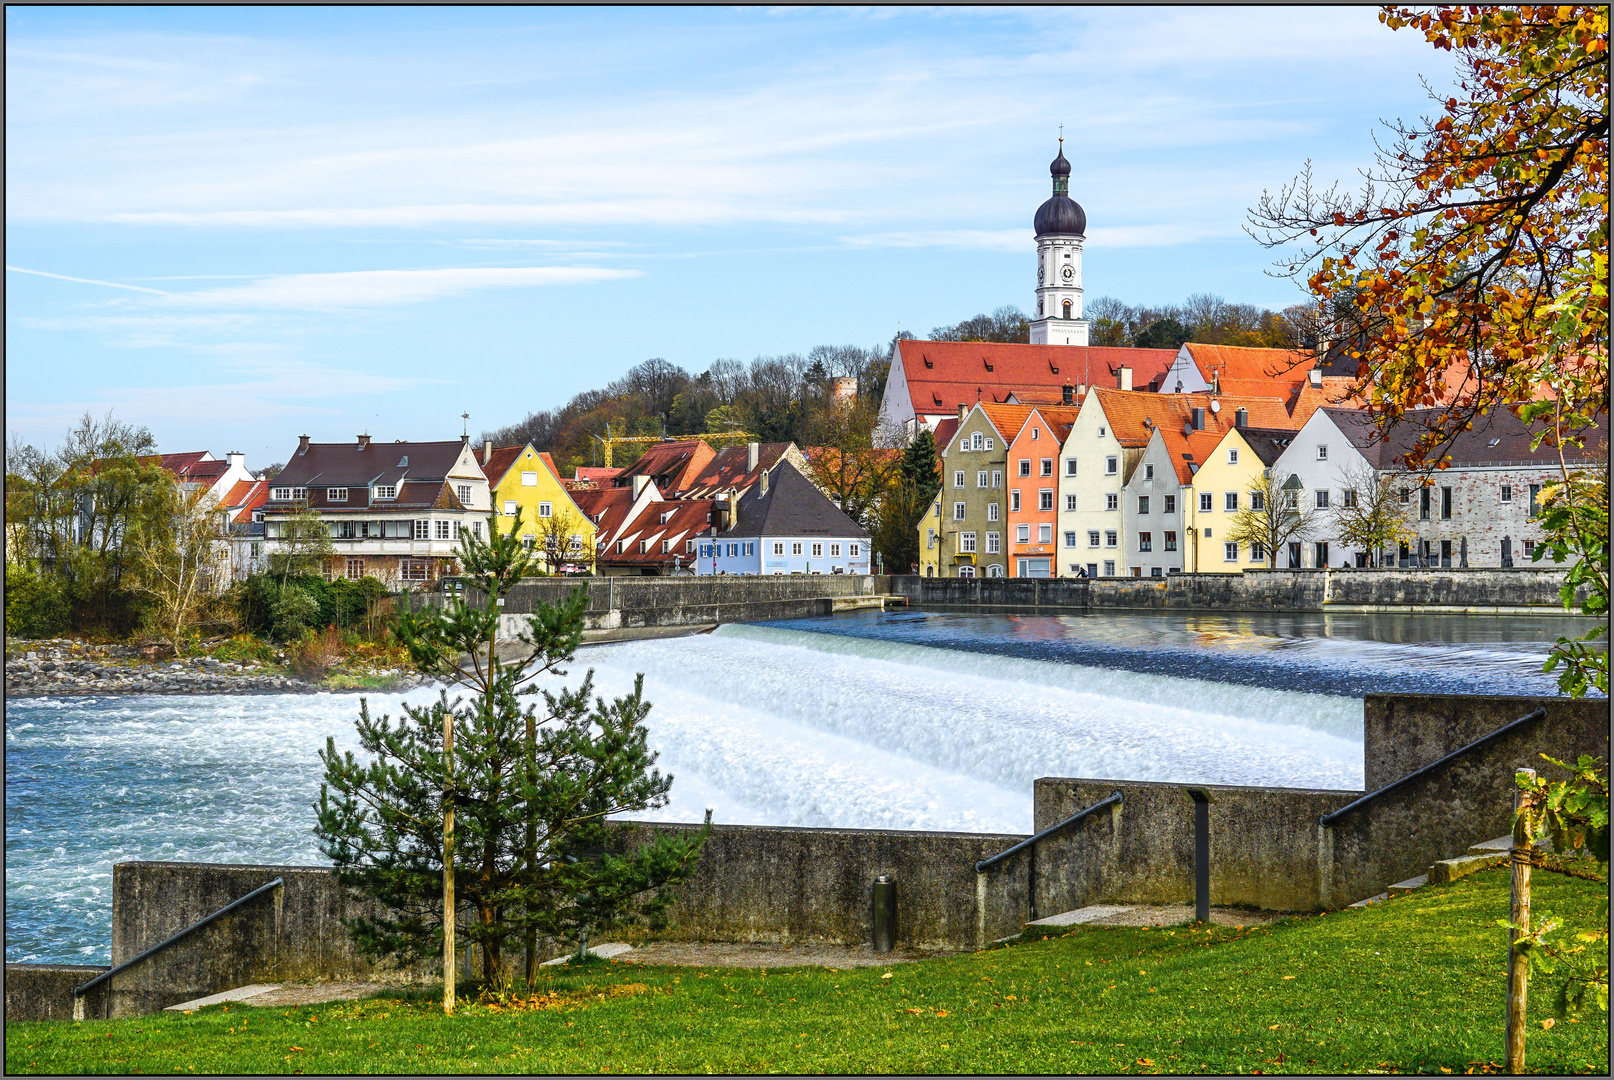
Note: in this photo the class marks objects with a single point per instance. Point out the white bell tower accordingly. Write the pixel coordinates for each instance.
(1061, 227)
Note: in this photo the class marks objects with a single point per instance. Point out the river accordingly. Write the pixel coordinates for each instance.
(903, 720)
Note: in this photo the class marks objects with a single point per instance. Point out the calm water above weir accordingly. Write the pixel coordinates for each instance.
(906, 720)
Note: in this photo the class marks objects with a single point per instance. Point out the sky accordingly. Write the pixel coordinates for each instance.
(238, 226)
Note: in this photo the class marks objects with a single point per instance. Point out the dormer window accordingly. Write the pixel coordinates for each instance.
(386, 491)
(282, 495)
(336, 494)
(464, 493)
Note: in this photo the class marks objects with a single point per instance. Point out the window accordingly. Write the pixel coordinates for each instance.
(980, 478)
(1148, 472)
(1322, 453)
(529, 479)
(355, 569)
(1205, 498)
(834, 551)
(966, 542)
(1112, 501)
(989, 442)
(282, 494)
(1047, 466)
(1092, 538)
(997, 478)
(1022, 534)
(795, 547)
(1101, 433)
(1406, 496)
(964, 443)
(1445, 503)
(442, 530)
(1111, 538)
(1036, 433)
(991, 511)
(977, 441)
(476, 527)
(1258, 551)
(994, 543)
(1232, 456)
(958, 511)
(1143, 504)
(1258, 501)
(1507, 493)
(423, 530)
(546, 510)
(818, 551)
(509, 508)
(1535, 508)
(386, 491)
(1530, 549)
(852, 550)
(1230, 501)
(1070, 538)
(1145, 542)
(666, 547)
(1111, 465)
(1349, 496)
(1171, 541)
(576, 542)
(1070, 466)
(1025, 466)
(336, 494)
(1109, 567)
(463, 491)
(958, 478)
(257, 549)
(414, 570)
(1014, 501)
(778, 547)
(1070, 502)
(1045, 499)
(1423, 504)
(1230, 553)
(1322, 500)
(1170, 506)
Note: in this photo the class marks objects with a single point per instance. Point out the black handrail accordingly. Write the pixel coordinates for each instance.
(80, 991)
(1328, 819)
(986, 864)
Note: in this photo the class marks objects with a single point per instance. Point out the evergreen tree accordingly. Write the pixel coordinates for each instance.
(492, 806)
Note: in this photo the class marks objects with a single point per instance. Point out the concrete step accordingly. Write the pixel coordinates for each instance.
(1080, 915)
(1500, 846)
(240, 993)
(1448, 870)
(1379, 899)
(604, 950)
(1401, 888)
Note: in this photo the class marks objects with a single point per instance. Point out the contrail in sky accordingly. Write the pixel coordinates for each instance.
(86, 281)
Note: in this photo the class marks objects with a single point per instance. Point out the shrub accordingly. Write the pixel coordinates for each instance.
(36, 606)
(316, 654)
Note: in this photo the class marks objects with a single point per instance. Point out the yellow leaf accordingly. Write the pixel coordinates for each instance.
(887, 975)
(1288, 976)
(1546, 1025)
(1272, 1027)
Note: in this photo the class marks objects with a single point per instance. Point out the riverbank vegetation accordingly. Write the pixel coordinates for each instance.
(1412, 985)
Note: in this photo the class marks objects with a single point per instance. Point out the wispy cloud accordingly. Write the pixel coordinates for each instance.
(83, 280)
(381, 288)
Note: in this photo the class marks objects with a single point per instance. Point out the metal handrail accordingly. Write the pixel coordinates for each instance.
(986, 864)
(1327, 820)
(80, 991)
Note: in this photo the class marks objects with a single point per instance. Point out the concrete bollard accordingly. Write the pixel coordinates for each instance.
(885, 913)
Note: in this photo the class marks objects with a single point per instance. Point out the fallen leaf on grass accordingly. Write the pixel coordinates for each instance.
(941, 1012)
(887, 975)
(916, 1012)
(1288, 976)
(1145, 1061)
(1546, 1025)
(1272, 1027)
(293, 1048)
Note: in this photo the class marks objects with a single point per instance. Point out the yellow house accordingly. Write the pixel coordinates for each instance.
(1222, 487)
(551, 523)
(930, 539)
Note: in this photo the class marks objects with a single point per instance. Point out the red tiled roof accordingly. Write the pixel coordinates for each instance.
(728, 469)
(687, 517)
(1127, 412)
(590, 472)
(193, 466)
(245, 497)
(1008, 419)
(942, 375)
(496, 466)
(677, 462)
(1247, 365)
(606, 507)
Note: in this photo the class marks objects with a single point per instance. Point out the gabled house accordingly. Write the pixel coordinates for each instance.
(395, 510)
(242, 527)
(553, 526)
(1033, 484)
(672, 466)
(782, 525)
(1222, 485)
(974, 496)
(200, 471)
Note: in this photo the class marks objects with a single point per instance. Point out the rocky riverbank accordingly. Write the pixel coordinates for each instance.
(65, 666)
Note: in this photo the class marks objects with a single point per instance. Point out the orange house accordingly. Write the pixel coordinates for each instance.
(1033, 483)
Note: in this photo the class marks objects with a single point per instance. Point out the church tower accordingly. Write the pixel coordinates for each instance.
(1061, 227)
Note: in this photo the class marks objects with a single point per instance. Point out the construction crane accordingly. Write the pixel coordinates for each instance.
(714, 439)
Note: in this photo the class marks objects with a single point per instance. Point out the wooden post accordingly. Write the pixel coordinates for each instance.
(1518, 915)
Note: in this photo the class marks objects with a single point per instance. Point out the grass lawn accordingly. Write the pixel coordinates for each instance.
(1414, 985)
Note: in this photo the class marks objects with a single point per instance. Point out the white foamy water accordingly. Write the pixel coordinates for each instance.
(764, 725)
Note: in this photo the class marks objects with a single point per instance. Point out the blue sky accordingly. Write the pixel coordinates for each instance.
(328, 221)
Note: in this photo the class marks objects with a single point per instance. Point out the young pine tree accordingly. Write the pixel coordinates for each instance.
(493, 803)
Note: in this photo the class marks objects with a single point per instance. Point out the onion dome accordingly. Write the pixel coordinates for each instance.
(1061, 215)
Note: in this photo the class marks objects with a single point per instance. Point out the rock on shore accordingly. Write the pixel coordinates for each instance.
(65, 666)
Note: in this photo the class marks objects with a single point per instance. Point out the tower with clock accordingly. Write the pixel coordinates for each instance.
(1061, 226)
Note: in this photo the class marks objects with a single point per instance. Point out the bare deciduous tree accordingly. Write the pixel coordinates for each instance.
(1273, 518)
(1371, 516)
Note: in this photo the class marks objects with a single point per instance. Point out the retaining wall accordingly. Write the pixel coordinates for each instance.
(45, 991)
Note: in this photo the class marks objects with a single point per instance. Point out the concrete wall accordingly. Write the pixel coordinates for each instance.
(1404, 732)
(758, 883)
(45, 991)
(1531, 590)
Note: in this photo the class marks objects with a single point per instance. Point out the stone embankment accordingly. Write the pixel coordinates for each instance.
(65, 666)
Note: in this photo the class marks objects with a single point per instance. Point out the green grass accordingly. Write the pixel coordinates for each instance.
(1415, 985)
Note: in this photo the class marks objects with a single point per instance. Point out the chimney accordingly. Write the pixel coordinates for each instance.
(302, 445)
(1123, 378)
(238, 460)
(487, 451)
(364, 440)
(1316, 377)
(753, 454)
(1241, 418)
(763, 480)
(963, 411)
(1069, 397)
(639, 483)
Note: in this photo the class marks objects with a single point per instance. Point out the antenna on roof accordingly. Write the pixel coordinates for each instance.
(465, 430)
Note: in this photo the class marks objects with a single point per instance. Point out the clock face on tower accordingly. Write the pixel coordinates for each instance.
(1069, 273)
(1040, 271)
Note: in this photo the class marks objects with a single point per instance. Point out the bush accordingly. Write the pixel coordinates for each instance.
(293, 611)
(316, 654)
(283, 610)
(36, 606)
